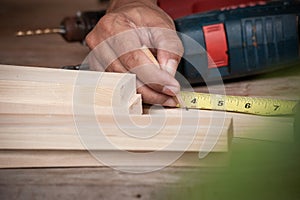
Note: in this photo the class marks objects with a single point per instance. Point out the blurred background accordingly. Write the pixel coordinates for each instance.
(46, 50)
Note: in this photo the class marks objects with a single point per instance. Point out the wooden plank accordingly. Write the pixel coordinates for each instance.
(54, 79)
(134, 107)
(61, 76)
(57, 132)
(57, 91)
(61, 158)
(269, 128)
(60, 94)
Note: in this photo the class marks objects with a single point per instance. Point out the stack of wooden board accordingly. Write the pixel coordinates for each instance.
(29, 90)
(52, 117)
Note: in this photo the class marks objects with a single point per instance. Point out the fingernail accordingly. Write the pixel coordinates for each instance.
(171, 66)
(170, 90)
(170, 102)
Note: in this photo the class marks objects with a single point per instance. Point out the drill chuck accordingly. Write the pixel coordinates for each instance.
(77, 27)
(74, 29)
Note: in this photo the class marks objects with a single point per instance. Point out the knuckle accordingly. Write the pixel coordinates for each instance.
(180, 48)
(92, 39)
(131, 59)
(105, 24)
(167, 39)
(106, 27)
(116, 67)
(174, 47)
(89, 40)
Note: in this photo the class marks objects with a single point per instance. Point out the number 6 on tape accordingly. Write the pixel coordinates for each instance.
(251, 105)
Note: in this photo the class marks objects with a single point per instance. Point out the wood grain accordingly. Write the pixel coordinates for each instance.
(38, 90)
(268, 128)
(40, 132)
(61, 158)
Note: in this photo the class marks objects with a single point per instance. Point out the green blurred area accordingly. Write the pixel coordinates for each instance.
(257, 170)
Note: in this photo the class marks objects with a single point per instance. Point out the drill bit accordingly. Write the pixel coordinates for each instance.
(41, 32)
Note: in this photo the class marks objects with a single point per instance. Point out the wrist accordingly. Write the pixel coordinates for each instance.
(115, 4)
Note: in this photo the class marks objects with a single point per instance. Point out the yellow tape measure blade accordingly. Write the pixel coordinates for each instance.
(251, 105)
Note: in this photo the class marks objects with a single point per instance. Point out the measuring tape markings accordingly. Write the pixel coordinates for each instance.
(251, 105)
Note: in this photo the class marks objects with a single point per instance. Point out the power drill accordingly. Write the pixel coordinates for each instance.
(242, 41)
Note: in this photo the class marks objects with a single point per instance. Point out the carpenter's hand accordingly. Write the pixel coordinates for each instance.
(120, 34)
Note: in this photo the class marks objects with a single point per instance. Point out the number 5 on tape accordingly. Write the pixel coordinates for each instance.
(251, 105)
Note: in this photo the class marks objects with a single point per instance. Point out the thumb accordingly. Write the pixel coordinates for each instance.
(168, 61)
(169, 49)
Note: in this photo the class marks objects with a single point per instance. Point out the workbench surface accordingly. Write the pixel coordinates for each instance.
(265, 176)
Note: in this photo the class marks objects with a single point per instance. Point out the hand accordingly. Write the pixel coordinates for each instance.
(121, 33)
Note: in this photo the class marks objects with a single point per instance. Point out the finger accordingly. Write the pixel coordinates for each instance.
(169, 48)
(168, 61)
(116, 66)
(167, 39)
(152, 97)
(137, 62)
(103, 57)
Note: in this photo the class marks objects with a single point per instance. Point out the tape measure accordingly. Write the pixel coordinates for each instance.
(251, 105)
(241, 104)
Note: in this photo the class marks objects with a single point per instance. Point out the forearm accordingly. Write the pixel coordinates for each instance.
(115, 4)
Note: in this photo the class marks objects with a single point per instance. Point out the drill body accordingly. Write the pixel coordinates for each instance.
(241, 42)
